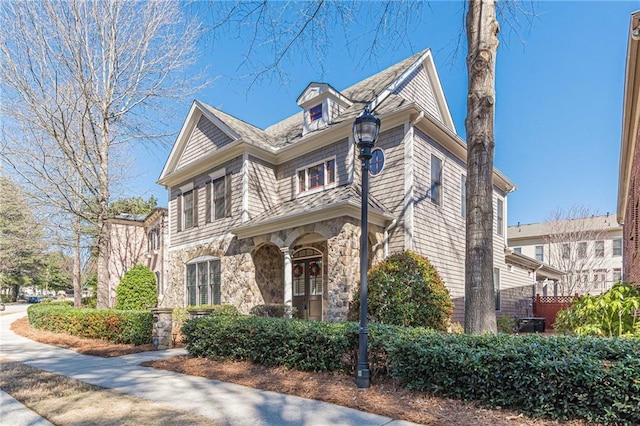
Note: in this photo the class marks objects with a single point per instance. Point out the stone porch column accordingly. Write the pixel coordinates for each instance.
(288, 284)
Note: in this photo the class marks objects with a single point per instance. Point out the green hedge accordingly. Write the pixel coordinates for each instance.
(128, 327)
(556, 377)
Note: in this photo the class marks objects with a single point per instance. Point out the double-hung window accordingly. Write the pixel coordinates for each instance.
(617, 246)
(219, 198)
(540, 253)
(317, 176)
(599, 248)
(566, 251)
(203, 281)
(188, 209)
(582, 250)
(436, 180)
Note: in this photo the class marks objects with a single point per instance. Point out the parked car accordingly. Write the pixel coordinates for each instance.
(34, 299)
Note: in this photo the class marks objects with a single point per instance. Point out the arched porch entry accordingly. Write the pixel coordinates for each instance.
(308, 283)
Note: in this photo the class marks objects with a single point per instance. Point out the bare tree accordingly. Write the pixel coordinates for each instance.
(575, 240)
(80, 79)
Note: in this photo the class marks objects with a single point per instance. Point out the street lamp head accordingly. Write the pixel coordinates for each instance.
(366, 129)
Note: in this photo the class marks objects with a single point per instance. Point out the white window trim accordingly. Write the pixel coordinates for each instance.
(325, 184)
(217, 174)
(441, 203)
(186, 188)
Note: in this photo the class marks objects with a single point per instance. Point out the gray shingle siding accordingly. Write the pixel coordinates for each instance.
(418, 88)
(217, 227)
(262, 186)
(439, 231)
(206, 138)
(388, 186)
(286, 172)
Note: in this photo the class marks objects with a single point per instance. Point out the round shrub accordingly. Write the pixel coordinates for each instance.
(137, 289)
(405, 289)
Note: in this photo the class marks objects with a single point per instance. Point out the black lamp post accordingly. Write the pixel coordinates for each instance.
(365, 132)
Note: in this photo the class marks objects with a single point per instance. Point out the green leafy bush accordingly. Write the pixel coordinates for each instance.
(137, 289)
(610, 314)
(507, 324)
(405, 289)
(128, 327)
(556, 377)
(273, 311)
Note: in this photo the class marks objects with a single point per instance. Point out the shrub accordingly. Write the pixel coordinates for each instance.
(405, 289)
(610, 314)
(558, 377)
(507, 324)
(137, 289)
(128, 327)
(273, 311)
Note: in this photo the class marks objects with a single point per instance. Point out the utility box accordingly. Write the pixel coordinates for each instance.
(531, 325)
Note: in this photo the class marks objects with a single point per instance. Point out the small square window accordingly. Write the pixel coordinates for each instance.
(315, 112)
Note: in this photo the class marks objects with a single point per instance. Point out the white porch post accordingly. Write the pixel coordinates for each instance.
(288, 274)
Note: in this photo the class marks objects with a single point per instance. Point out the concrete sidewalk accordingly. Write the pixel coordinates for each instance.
(225, 403)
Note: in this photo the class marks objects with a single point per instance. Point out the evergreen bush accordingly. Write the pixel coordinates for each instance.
(137, 289)
(406, 290)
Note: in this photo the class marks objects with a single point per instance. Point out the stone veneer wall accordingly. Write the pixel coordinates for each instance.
(241, 264)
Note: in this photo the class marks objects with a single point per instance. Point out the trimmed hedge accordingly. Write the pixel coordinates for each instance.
(137, 289)
(128, 327)
(556, 377)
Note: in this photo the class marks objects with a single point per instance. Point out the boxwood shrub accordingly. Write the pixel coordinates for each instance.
(128, 327)
(555, 377)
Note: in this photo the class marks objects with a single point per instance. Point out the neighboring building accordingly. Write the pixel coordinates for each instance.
(273, 216)
(629, 179)
(135, 239)
(589, 250)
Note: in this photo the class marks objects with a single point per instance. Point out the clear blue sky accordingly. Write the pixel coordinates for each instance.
(559, 89)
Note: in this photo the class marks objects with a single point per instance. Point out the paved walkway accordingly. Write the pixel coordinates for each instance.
(227, 403)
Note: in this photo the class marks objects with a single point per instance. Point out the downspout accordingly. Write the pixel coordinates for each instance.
(386, 237)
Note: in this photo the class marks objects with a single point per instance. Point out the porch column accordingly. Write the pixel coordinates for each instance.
(288, 274)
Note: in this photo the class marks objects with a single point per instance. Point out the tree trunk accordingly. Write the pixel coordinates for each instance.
(77, 267)
(482, 31)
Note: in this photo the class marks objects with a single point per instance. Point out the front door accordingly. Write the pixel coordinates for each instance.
(307, 288)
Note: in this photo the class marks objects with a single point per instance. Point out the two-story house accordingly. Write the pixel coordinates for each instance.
(272, 216)
(135, 239)
(588, 249)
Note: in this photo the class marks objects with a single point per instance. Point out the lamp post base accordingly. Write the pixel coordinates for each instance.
(362, 377)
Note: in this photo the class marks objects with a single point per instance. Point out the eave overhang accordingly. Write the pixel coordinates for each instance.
(348, 208)
(630, 118)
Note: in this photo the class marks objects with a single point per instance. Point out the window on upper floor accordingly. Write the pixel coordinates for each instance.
(436, 180)
(317, 176)
(540, 253)
(600, 278)
(203, 281)
(582, 250)
(219, 198)
(517, 250)
(500, 217)
(376, 164)
(188, 217)
(599, 248)
(617, 246)
(153, 238)
(315, 113)
(566, 251)
(463, 196)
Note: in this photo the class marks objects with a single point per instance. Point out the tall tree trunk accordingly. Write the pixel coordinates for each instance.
(482, 31)
(77, 266)
(104, 297)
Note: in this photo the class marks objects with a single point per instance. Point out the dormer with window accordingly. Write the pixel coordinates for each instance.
(321, 104)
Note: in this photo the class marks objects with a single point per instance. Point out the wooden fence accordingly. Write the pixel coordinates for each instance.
(547, 307)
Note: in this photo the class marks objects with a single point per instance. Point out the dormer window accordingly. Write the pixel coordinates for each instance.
(315, 113)
(317, 177)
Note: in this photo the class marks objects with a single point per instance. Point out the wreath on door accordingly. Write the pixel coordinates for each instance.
(314, 269)
(297, 271)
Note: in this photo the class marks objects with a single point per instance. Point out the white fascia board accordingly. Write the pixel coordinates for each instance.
(346, 208)
(630, 118)
(185, 130)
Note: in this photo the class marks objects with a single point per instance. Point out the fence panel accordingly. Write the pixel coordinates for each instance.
(547, 307)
